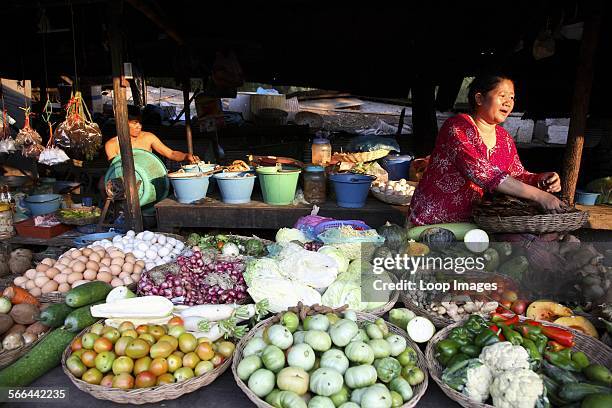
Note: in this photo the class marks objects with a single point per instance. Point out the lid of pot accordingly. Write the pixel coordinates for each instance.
(320, 140)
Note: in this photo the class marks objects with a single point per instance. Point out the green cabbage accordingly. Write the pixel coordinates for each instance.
(290, 234)
(259, 269)
(337, 255)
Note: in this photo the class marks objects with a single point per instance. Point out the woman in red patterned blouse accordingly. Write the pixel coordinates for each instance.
(473, 154)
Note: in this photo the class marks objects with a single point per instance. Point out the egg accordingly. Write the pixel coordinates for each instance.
(115, 270)
(51, 272)
(120, 247)
(79, 283)
(106, 261)
(137, 268)
(130, 233)
(66, 261)
(61, 278)
(101, 254)
(104, 277)
(179, 245)
(104, 268)
(40, 281)
(140, 263)
(63, 287)
(170, 241)
(151, 254)
(94, 266)
(35, 292)
(42, 267)
(163, 251)
(127, 281)
(78, 267)
(30, 273)
(50, 286)
(135, 277)
(139, 254)
(87, 251)
(161, 239)
(116, 282)
(117, 254)
(148, 236)
(89, 274)
(30, 284)
(130, 258)
(83, 259)
(74, 276)
(117, 261)
(149, 266)
(139, 235)
(20, 280)
(123, 275)
(167, 259)
(97, 248)
(60, 267)
(75, 254)
(40, 274)
(117, 238)
(128, 267)
(48, 261)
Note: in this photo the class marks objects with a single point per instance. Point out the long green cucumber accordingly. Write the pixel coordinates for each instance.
(54, 315)
(39, 360)
(80, 318)
(458, 228)
(88, 293)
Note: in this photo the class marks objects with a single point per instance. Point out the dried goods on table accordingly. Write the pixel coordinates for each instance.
(78, 134)
(506, 206)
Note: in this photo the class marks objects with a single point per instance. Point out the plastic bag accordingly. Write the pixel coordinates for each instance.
(369, 143)
(52, 155)
(7, 143)
(28, 139)
(78, 134)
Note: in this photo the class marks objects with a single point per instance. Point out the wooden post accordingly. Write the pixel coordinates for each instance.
(580, 103)
(133, 216)
(187, 110)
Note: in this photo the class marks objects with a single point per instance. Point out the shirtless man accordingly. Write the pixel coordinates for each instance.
(146, 141)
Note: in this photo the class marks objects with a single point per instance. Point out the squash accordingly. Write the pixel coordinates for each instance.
(547, 310)
(578, 323)
(437, 238)
(394, 235)
(458, 228)
(416, 249)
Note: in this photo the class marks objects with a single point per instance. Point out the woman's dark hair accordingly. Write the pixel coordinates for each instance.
(134, 113)
(483, 84)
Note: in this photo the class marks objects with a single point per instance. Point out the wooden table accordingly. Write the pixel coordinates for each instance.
(213, 213)
(600, 216)
(64, 240)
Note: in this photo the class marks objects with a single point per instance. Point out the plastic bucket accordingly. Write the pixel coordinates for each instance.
(43, 203)
(585, 198)
(351, 189)
(235, 189)
(278, 187)
(189, 189)
(398, 167)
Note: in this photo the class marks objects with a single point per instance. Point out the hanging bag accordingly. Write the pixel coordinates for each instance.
(79, 135)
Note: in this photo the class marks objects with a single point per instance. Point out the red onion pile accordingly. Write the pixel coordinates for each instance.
(201, 279)
(313, 246)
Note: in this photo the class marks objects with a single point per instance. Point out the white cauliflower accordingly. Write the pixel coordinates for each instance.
(518, 388)
(503, 356)
(470, 377)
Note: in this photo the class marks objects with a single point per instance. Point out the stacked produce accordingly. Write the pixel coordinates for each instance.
(145, 355)
(153, 248)
(197, 277)
(328, 360)
(230, 245)
(401, 188)
(78, 266)
(518, 363)
(19, 313)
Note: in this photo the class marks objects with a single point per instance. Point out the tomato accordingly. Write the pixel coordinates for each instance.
(183, 373)
(191, 360)
(176, 330)
(142, 364)
(273, 358)
(217, 360)
(156, 331)
(104, 361)
(102, 344)
(159, 366)
(226, 348)
(359, 352)
(124, 381)
(137, 348)
(334, 359)
(291, 321)
(343, 331)
(166, 378)
(279, 335)
(360, 376)
(294, 379)
(89, 358)
(125, 326)
(302, 356)
(76, 366)
(205, 351)
(92, 376)
(187, 342)
(248, 366)
(107, 380)
(376, 396)
(122, 344)
(141, 329)
(145, 379)
(97, 328)
(318, 340)
(261, 382)
(325, 382)
(203, 367)
(88, 340)
(122, 365)
(380, 347)
(176, 321)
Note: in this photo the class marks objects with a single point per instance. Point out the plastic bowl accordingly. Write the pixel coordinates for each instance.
(586, 198)
(190, 189)
(235, 189)
(43, 203)
(351, 189)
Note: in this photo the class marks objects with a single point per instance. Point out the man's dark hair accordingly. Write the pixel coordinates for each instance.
(483, 84)
(134, 113)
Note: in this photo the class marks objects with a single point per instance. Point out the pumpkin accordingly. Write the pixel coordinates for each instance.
(437, 238)
(394, 235)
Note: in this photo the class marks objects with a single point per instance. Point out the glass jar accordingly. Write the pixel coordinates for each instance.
(321, 151)
(314, 184)
(6, 221)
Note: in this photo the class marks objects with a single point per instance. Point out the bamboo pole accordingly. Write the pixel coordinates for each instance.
(580, 104)
(133, 216)
(187, 110)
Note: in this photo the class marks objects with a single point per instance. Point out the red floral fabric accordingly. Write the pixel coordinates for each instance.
(459, 172)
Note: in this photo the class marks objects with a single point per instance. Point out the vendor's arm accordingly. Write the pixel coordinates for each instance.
(490, 177)
(165, 151)
(111, 148)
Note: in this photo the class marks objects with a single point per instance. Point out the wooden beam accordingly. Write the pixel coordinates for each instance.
(152, 15)
(133, 216)
(580, 103)
(187, 109)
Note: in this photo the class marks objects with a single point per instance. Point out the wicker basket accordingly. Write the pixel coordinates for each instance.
(537, 224)
(361, 157)
(92, 219)
(596, 351)
(143, 395)
(393, 199)
(418, 390)
(9, 357)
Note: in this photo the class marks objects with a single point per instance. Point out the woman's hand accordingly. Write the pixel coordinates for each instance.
(549, 202)
(192, 158)
(549, 182)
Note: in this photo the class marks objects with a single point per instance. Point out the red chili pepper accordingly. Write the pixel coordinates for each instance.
(499, 317)
(561, 336)
(512, 321)
(554, 346)
(532, 322)
(497, 332)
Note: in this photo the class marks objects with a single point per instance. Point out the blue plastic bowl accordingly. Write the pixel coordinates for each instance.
(190, 189)
(351, 189)
(398, 167)
(235, 190)
(585, 198)
(40, 204)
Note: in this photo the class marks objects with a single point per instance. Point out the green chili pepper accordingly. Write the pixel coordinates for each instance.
(512, 336)
(443, 359)
(532, 349)
(471, 350)
(560, 360)
(540, 341)
(447, 347)
(475, 324)
(486, 338)
(581, 359)
(461, 336)
(567, 353)
(457, 358)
